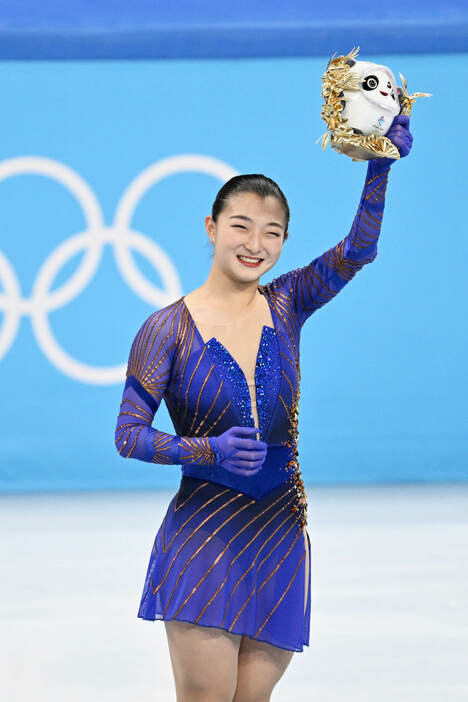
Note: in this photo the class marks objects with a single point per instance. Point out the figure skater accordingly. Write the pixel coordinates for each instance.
(229, 569)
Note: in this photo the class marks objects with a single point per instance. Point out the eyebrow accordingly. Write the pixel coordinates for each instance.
(269, 224)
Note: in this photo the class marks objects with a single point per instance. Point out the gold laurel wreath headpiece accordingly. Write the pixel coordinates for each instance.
(335, 80)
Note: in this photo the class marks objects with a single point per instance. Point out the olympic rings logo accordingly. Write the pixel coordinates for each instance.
(119, 235)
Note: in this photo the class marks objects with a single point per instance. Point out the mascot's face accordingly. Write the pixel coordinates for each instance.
(379, 87)
(371, 109)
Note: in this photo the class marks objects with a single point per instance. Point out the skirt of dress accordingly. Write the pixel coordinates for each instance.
(223, 559)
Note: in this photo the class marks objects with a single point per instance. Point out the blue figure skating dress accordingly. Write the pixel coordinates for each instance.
(231, 549)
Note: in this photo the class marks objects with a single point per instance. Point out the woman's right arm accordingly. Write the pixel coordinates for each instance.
(148, 372)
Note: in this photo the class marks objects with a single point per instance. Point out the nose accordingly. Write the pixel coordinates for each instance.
(252, 245)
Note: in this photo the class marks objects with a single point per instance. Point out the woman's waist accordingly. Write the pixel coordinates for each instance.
(274, 472)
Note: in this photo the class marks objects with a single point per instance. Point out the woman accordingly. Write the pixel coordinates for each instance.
(229, 568)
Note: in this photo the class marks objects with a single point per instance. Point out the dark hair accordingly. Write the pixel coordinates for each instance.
(250, 183)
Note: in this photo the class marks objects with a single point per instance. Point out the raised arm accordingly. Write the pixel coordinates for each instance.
(148, 373)
(312, 286)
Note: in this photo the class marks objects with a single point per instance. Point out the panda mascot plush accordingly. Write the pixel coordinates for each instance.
(361, 101)
(371, 109)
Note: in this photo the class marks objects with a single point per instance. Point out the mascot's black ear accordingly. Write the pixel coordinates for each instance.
(357, 131)
(399, 93)
(350, 62)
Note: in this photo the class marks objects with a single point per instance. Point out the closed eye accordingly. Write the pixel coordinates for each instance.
(242, 227)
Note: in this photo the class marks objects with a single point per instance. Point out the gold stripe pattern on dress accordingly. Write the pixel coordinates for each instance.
(219, 494)
(220, 555)
(282, 596)
(197, 528)
(263, 545)
(254, 589)
(196, 450)
(239, 554)
(207, 540)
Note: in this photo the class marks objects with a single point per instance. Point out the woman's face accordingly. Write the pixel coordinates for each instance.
(249, 225)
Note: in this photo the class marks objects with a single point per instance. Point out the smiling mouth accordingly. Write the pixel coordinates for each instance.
(382, 93)
(251, 261)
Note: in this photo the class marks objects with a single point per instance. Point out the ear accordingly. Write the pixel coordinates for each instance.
(210, 226)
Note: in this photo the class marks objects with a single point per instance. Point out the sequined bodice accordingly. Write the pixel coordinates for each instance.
(267, 378)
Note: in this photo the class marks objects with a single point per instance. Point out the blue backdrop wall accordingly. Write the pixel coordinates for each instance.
(143, 29)
(107, 170)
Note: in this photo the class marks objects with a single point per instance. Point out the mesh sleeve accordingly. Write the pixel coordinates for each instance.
(148, 374)
(312, 286)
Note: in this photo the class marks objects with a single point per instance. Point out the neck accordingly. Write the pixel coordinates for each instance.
(236, 295)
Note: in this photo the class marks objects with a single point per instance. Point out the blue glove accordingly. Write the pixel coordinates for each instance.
(401, 136)
(237, 452)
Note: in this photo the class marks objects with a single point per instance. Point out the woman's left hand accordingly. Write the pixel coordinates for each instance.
(401, 136)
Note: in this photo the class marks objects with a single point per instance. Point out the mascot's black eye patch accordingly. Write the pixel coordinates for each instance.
(370, 83)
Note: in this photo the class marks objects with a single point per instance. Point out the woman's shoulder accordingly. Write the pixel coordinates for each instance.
(161, 319)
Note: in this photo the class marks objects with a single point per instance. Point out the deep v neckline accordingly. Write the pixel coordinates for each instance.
(213, 338)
